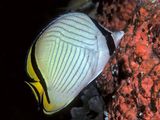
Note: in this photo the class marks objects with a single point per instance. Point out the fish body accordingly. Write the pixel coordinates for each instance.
(66, 56)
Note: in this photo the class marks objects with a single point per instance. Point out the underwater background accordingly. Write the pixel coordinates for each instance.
(130, 82)
(21, 22)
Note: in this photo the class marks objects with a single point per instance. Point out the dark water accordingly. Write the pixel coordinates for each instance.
(20, 22)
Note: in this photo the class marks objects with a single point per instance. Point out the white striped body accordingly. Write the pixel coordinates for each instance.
(69, 54)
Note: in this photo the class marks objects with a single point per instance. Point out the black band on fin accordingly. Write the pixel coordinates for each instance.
(38, 73)
(109, 38)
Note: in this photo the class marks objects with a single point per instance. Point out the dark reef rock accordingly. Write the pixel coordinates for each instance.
(93, 105)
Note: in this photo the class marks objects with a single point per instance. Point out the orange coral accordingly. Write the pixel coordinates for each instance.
(135, 90)
(116, 14)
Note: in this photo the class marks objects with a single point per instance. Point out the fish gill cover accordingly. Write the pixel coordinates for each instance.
(130, 82)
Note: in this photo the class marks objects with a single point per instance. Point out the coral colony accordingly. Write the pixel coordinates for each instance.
(130, 83)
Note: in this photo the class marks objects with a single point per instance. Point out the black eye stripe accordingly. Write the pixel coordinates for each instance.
(109, 38)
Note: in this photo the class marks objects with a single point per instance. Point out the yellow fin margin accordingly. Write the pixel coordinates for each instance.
(33, 90)
(30, 69)
(47, 106)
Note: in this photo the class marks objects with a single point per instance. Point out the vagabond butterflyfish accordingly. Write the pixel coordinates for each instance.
(66, 56)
